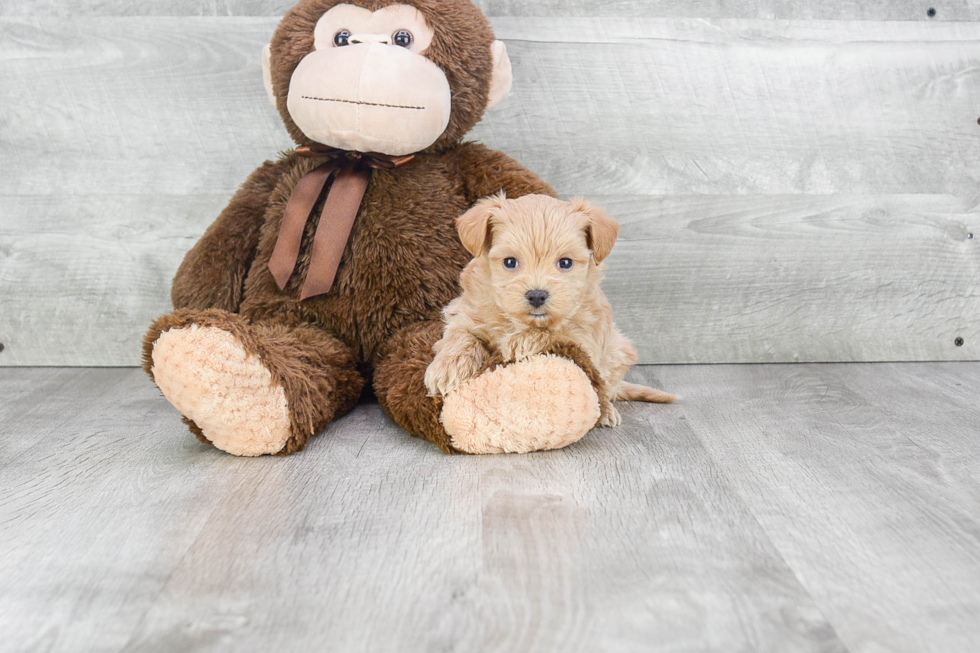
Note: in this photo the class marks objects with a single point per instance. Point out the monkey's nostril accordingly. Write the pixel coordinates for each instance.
(536, 297)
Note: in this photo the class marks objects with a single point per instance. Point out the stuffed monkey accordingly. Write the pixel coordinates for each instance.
(329, 268)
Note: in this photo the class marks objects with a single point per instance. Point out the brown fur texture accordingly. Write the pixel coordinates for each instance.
(401, 264)
(399, 380)
(399, 386)
(317, 372)
(535, 245)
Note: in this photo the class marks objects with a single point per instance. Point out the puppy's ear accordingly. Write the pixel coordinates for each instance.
(474, 225)
(602, 230)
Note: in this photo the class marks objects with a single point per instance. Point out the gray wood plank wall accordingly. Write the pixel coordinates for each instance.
(765, 9)
(789, 190)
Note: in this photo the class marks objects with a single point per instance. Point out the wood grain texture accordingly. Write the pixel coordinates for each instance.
(176, 105)
(706, 279)
(81, 278)
(123, 106)
(761, 9)
(865, 478)
(122, 532)
(742, 107)
(693, 279)
(834, 163)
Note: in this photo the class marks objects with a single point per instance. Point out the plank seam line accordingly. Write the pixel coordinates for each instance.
(725, 476)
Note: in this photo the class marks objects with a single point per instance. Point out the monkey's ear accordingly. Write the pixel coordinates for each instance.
(602, 230)
(474, 225)
(267, 73)
(503, 75)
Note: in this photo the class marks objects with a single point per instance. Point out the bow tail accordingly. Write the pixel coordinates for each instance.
(333, 230)
(298, 210)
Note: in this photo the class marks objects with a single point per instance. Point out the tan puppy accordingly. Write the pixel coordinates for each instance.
(533, 282)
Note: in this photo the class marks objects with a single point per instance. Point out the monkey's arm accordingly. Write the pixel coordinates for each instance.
(485, 172)
(213, 272)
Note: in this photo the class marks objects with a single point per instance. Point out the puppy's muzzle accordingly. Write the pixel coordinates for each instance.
(536, 297)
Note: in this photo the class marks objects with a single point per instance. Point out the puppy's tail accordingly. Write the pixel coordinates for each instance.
(637, 392)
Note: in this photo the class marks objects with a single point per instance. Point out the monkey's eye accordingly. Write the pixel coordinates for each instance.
(342, 38)
(565, 263)
(510, 262)
(403, 38)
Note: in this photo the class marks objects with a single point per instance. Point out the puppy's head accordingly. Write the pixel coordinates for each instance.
(540, 255)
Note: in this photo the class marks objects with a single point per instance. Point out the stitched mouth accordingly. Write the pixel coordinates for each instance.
(367, 104)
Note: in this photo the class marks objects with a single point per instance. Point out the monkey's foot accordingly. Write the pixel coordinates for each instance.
(210, 378)
(544, 402)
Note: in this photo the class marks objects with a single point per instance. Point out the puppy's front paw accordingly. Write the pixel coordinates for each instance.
(448, 371)
(610, 416)
(439, 376)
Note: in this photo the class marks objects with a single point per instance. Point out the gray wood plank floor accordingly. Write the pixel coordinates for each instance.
(778, 508)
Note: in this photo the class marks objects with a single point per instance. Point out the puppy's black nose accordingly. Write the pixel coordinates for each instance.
(536, 297)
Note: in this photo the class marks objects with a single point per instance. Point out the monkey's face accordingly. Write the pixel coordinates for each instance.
(368, 86)
(371, 81)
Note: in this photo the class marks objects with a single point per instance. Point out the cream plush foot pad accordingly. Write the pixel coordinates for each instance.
(545, 402)
(207, 375)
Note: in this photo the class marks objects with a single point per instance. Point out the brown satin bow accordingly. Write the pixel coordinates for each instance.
(353, 171)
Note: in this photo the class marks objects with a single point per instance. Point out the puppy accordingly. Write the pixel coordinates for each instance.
(533, 283)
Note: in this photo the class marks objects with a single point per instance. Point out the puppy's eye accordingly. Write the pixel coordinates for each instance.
(565, 263)
(403, 38)
(510, 262)
(342, 38)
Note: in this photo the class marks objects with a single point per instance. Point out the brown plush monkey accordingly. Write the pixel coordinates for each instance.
(329, 267)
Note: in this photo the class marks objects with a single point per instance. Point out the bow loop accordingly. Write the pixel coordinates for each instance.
(374, 160)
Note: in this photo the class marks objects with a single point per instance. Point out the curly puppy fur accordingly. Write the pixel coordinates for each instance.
(534, 282)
